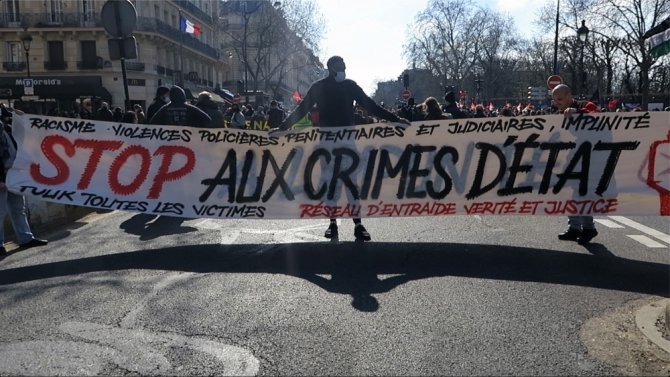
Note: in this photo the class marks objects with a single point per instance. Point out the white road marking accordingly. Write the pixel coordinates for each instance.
(646, 241)
(609, 224)
(290, 235)
(642, 228)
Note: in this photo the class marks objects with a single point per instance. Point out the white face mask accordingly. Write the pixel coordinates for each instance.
(340, 76)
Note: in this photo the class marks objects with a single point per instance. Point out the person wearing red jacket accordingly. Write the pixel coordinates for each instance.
(580, 228)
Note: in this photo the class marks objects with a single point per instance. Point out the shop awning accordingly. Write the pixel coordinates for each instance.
(73, 91)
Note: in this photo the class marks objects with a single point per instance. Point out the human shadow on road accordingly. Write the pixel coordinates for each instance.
(149, 227)
(364, 269)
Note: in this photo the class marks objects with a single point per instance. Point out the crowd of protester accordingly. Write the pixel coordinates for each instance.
(248, 116)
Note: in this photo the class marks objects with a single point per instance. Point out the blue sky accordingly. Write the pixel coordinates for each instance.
(369, 34)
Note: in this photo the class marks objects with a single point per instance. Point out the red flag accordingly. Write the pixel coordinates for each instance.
(612, 105)
(473, 105)
(297, 97)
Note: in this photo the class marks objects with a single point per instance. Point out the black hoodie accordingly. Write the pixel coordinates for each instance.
(178, 112)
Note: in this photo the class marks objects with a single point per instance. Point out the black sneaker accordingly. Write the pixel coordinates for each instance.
(331, 232)
(572, 234)
(3, 252)
(587, 236)
(361, 233)
(34, 242)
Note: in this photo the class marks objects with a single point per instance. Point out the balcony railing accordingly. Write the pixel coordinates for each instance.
(14, 66)
(90, 64)
(56, 19)
(155, 26)
(135, 66)
(55, 66)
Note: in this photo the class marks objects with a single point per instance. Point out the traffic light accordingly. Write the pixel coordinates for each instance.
(405, 80)
(530, 93)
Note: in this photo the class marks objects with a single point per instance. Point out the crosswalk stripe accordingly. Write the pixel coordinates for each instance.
(642, 228)
(609, 223)
(646, 241)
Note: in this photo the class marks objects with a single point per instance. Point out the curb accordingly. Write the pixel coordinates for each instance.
(646, 317)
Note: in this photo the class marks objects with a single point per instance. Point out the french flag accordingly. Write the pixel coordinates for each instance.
(189, 27)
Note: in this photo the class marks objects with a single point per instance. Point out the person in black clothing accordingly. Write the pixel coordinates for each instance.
(275, 115)
(179, 112)
(451, 108)
(206, 104)
(162, 98)
(104, 113)
(334, 97)
(580, 228)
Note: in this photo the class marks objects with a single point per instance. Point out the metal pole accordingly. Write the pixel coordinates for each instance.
(244, 47)
(125, 84)
(581, 64)
(28, 63)
(558, 7)
(181, 53)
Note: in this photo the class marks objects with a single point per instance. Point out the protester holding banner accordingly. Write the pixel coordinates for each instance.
(580, 228)
(11, 203)
(334, 98)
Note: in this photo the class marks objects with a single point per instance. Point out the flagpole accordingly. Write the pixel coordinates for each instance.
(181, 51)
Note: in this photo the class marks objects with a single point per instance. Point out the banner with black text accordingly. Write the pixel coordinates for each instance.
(588, 164)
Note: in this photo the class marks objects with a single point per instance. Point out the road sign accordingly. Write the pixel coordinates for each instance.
(28, 88)
(406, 94)
(553, 81)
(118, 17)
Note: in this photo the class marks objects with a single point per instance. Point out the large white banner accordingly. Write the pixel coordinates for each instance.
(589, 164)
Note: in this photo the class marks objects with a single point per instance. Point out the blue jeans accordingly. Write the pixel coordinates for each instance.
(581, 222)
(15, 204)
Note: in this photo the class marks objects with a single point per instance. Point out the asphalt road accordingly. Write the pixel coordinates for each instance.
(466, 295)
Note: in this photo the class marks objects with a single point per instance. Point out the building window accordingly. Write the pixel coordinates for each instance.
(56, 56)
(13, 13)
(89, 57)
(14, 52)
(88, 11)
(54, 11)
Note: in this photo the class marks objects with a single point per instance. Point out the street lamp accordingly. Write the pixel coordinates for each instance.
(26, 40)
(583, 35)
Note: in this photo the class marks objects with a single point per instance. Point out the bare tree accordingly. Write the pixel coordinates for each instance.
(272, 42)
(446, 39)
(627, 21)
